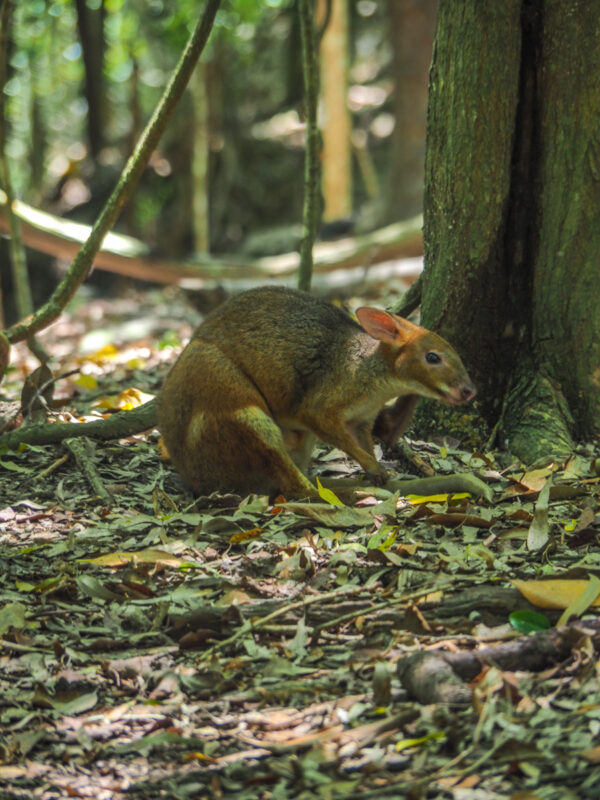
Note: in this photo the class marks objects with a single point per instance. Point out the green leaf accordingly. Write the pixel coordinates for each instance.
(12, 615)
(539, 530)
(529, 621)
(383, 539)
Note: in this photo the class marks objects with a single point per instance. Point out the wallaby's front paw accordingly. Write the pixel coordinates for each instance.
(377, 477)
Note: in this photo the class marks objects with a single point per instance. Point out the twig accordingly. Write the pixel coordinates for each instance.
(52, 468)
(83, 449)
(385, 604)
(413, 458)
(123, 423)
(250, 626)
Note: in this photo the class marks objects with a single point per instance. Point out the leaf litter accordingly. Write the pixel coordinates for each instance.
(157, 646)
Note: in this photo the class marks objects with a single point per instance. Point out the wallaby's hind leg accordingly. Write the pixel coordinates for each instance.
(275, 460)
(242, 451)
(218, 430)
(299, 444)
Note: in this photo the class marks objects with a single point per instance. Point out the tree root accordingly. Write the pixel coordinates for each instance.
(117, 426)
(438, 677)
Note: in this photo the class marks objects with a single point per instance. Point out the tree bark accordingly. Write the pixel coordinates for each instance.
(566, 311)
(511, 192)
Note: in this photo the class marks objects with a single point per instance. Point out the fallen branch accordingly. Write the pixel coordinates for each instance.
(438, 677)
(535, 651)
(117, 426)
(128, 423)
(128, 256)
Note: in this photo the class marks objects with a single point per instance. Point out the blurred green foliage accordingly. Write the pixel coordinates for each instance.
(254, 86)
(46, 67)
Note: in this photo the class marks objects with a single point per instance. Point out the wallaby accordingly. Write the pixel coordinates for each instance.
(273, 369)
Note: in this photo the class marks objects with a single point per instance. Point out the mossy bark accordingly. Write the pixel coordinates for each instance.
(512, 191)
(472, 108)
(566, 287)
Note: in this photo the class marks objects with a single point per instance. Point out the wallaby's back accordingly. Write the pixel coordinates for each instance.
(284, 340)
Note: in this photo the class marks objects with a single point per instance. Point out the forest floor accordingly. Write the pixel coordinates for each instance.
(153, 646)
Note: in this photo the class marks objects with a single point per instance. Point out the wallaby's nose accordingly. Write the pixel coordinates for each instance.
(468, 392)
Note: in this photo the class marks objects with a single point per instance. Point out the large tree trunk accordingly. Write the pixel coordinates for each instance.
(566, 285)
(511, 195)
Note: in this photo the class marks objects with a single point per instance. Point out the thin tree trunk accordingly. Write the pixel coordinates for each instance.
(336, 124)
(90, 22)
(200, 220)
(312, 198)
(412, 26)
(18, 258)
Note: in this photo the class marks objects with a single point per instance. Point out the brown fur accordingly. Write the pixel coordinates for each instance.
(273, 369)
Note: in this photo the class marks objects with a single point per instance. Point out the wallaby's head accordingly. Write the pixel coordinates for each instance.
(420, 360)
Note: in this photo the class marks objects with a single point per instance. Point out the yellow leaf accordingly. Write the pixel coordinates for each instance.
(125, 401)
(535, 479)
(234, 597)
(407, 548)
(593, 755)
(555, 593)
(106, 353)
(403, 744)
(245, 536)
(135, 397)
(121, 559)
(86, 381)
(419, 499)
(327, 495)
(111, 403)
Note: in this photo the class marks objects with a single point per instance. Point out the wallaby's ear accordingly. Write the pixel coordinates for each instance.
(385, 326)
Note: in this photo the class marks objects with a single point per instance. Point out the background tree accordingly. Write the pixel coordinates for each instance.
(336, 122)
(200, 159)
(411, 31)
(90, 23)
(511, 199)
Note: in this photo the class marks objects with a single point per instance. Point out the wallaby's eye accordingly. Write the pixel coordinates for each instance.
(432, 358)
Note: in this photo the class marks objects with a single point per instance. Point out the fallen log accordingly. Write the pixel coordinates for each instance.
(128, 256)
